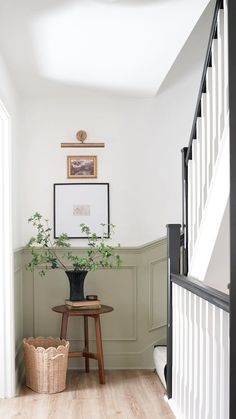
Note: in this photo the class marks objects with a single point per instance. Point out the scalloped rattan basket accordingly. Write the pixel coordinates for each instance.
(46, 363)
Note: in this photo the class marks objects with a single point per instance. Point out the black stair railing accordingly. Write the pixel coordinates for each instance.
(177, 260)
(187, 151)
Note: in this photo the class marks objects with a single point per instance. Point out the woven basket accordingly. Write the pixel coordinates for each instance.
(46, 364)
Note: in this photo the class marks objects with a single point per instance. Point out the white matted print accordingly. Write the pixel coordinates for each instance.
(77, 203)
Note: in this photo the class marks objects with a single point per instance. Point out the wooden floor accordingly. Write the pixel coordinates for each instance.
(127, 394)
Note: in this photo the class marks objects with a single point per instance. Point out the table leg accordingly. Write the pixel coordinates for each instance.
(86, 342)
(64, 323)
(99, 349)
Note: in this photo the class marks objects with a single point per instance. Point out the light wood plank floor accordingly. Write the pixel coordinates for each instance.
(127, 394)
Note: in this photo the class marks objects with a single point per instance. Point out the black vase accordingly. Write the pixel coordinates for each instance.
(76, 280)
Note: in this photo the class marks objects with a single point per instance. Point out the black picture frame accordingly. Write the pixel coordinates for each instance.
(76, 203)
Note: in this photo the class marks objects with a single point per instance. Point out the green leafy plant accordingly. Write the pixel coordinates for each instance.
(44, 251)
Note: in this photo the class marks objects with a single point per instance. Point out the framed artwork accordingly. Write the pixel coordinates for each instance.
(77, 203)
(81, 167)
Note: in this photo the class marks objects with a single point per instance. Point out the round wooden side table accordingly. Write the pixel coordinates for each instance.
(85, 313)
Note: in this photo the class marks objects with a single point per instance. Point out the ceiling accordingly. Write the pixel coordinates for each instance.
(81, 46)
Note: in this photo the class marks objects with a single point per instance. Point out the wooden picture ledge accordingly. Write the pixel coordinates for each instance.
(64, 145)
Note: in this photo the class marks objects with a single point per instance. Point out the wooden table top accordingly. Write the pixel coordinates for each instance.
(82, 312)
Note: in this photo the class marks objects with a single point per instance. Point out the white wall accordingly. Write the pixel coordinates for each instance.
(133, 161)
(9, 97)
(143, 195)
(12, 315)
(141, 160)
(218, 272)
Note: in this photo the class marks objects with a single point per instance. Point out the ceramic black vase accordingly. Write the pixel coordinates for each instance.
(76, 280)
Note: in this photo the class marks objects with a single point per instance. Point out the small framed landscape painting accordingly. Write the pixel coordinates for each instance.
(81, 167)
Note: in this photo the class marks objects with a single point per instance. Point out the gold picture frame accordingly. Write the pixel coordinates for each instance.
(81, 167)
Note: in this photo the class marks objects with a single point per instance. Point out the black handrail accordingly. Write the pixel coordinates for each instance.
(212, 295)
(202, 89)
(199, 288)
(185, 210)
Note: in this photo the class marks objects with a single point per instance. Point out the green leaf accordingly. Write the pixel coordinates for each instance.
(45, 256)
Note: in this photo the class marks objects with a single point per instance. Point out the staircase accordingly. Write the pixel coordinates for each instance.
(198, 315)
(206, 160)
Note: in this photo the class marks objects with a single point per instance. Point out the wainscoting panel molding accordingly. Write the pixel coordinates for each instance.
(117, 288)
(137, 292)
(157, 294)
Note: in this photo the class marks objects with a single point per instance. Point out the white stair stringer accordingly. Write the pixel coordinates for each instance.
(217, 199)
(159, 358)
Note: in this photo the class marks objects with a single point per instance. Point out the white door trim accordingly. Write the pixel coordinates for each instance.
(7, 335)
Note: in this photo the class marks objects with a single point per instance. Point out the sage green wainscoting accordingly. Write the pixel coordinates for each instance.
(137, 292)
(18, 305)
